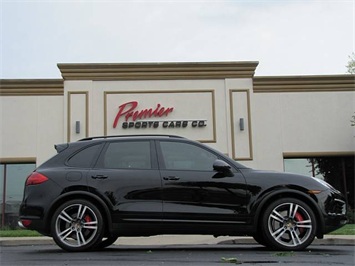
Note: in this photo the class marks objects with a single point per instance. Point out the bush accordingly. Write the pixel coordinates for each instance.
(351, 216)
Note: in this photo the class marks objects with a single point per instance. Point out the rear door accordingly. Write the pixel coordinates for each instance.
(127, 176)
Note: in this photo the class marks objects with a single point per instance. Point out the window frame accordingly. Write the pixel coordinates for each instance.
(94, 159)
(161, 158)
(153, 157)
(4, 180)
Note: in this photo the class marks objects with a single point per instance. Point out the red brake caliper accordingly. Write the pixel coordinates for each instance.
(299, 218)
(87, 219)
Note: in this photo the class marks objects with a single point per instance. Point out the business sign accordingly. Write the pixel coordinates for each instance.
(133, 117)
(189, 114)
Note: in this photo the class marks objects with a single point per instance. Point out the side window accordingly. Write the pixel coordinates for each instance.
(184, 156)
(124, 155)
(85, 157)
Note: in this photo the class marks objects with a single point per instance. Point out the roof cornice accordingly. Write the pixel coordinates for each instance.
(31, 87)
(312, 83)
(158, 71)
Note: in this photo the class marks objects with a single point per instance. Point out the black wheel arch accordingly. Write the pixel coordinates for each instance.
(105, 211)
(289, 193)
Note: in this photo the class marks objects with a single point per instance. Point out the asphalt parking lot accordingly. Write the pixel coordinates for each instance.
(177, 250)
(174, 255)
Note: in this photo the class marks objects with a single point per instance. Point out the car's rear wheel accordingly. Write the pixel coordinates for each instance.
(77, 225)
(289, 224)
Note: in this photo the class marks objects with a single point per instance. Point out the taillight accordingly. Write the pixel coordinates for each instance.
(35, 179)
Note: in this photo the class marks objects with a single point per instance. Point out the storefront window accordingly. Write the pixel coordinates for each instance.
(302, 166)
(12, 180)
(336, 170)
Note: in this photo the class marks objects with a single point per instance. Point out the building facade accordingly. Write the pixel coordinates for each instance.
(284, 123)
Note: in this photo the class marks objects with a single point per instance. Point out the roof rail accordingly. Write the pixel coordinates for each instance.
(123, 136)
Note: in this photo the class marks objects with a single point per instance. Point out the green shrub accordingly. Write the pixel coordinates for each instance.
(351, 216)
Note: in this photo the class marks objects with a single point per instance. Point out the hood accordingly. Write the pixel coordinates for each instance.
(274, 178)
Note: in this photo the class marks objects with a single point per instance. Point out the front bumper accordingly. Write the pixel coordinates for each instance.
(335, 211)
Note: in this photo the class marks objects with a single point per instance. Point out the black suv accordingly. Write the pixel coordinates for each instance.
(98, 189)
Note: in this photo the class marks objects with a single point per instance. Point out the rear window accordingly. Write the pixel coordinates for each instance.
(85, 157)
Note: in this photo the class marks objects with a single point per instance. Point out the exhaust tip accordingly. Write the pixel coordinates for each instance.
(20, 224)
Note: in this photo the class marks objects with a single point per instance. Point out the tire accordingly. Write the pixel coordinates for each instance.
(107, 242)
(77, 225)
(288, 224)
(260, 239)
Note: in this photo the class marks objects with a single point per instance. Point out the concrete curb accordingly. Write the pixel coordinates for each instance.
(328, 241)
(170, 240)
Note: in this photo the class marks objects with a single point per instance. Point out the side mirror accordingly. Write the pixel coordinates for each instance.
(222, 167)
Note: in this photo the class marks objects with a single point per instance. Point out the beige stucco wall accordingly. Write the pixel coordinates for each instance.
(30, 126)
(283, 116)
(301, 123)
(280, 123)
(191, 99)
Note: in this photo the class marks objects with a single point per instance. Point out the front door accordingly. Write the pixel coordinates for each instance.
(193, 192)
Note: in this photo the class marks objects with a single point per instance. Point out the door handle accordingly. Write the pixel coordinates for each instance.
(99, 176)
(173, 178)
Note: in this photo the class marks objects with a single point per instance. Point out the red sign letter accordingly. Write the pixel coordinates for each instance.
(122, 111)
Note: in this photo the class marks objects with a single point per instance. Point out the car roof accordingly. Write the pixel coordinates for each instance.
(84, 141)
(145, 136)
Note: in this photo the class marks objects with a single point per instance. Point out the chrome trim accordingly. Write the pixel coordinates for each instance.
(21, 225)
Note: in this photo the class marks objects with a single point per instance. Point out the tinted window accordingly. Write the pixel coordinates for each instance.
(133, 154)
(184, 156)
(85, 157)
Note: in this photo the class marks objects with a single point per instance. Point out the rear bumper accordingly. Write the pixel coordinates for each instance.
(32, 218)
(31, 223)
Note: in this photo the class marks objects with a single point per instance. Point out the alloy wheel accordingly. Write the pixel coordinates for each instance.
(77, 226)
(290, 224)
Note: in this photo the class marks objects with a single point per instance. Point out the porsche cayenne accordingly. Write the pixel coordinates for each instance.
(98, 189)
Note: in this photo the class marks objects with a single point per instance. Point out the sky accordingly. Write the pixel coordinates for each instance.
(303, 37)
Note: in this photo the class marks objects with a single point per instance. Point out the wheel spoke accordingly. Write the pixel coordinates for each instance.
(90, 225)
(80, 238)
(304, 224)
(277, 216)
(293, 210)
(66, 233)
(295, 239)
(81, 211)
(279, 232)
(66, 217)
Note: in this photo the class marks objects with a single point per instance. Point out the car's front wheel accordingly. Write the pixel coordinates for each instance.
(77, 225)
(107, 242)
(289, 224)
(260, 239)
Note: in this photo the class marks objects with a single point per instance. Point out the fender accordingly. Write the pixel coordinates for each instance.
(77, 194)
(290, 193)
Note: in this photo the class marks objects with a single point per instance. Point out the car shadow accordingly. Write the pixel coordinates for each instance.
(208, 248)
